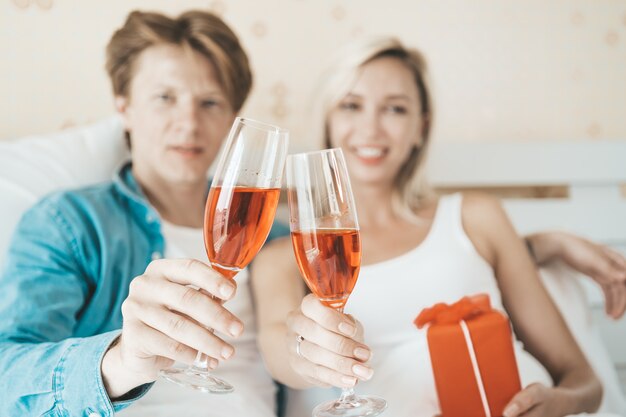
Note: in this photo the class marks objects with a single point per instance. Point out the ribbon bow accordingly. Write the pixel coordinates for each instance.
(464, 309)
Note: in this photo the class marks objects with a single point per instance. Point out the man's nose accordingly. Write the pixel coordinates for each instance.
(188, 116)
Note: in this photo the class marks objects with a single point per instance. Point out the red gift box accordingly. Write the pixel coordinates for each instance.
(471, 351)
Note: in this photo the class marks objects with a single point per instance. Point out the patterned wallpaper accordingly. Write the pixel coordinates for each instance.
(501, 69)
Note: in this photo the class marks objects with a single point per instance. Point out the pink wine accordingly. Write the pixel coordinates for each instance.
(237, 221)
(329, 260)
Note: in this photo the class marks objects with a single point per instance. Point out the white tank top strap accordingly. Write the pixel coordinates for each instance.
(448, 221)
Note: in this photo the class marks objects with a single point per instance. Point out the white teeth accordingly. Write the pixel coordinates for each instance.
(369, 152)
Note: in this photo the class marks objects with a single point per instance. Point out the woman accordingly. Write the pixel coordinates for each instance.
(418, 249)
(85, 263)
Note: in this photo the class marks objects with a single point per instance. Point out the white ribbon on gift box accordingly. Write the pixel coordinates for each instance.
(479, 379)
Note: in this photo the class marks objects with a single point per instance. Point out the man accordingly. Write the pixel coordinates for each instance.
(85, 263)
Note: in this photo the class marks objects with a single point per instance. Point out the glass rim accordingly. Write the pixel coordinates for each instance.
(317, 152)
(260, 125)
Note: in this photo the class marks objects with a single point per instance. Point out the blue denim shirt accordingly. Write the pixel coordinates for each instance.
(66, 275)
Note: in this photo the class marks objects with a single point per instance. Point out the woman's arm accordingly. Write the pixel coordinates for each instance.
(604, 265)
(331, 352)
(277, 290)
(535, 318)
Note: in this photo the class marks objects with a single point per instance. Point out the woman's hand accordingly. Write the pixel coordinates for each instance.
(166, 319)
(332, 352)
(602, 264)
(536, 400)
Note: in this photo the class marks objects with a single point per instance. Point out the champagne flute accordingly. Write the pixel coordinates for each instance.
(238, 216)
(327, 245)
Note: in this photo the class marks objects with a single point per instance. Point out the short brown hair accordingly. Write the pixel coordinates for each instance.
(203, 31)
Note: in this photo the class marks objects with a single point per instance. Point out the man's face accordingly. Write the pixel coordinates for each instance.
(177, 114)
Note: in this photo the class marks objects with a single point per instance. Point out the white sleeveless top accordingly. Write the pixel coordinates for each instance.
(390, 294)
(255, 392)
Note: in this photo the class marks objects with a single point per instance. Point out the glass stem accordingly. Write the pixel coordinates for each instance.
(201, 363)
(347, 396)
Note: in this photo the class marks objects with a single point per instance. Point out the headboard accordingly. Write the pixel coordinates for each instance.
(592, 172)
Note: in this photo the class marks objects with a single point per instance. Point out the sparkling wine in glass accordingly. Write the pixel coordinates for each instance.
(238, 217)
(327, 245)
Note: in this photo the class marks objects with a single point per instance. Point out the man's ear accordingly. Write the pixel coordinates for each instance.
(121, 106)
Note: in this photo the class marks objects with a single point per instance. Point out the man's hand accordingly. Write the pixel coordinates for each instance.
(166, 319)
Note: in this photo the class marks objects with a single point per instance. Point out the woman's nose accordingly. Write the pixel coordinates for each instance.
(370, 123)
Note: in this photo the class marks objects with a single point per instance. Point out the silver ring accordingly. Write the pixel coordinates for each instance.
(299, 340)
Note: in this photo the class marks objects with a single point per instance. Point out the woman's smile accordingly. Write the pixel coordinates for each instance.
(370, 155)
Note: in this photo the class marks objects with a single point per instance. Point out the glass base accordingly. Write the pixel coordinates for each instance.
(352, 406)
(197, 379)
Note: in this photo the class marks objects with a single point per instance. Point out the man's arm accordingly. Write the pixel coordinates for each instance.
(43, 291)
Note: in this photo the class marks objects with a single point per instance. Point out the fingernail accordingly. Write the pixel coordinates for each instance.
(212, 363)
(226, 290)
(348, 380)
(347, 329)
(227, 352)
(235, 329)
(363, 371)
(511, 411)
(362, 353)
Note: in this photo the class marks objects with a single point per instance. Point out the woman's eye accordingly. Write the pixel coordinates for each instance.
(349, 106)
(397, 109)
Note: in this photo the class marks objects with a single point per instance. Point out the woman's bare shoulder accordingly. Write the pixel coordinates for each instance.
(478, 202)
(482, 210)
(485, 223)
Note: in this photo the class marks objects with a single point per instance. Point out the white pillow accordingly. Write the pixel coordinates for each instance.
(34, 166)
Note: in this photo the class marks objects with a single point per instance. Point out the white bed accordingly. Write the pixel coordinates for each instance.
(592, 171)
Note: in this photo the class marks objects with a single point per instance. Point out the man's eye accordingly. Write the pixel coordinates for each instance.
(207, 104)
(165, 97)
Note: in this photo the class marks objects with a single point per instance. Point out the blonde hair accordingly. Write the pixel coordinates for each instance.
(201, 31)
(410, 185)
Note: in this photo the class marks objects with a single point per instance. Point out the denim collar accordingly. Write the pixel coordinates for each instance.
(126, 185)
(129, 189)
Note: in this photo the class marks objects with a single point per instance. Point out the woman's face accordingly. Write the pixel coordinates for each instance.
(378, 122)
(177, 115)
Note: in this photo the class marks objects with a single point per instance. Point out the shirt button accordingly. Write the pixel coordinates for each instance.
(150, 218)
(155, 256)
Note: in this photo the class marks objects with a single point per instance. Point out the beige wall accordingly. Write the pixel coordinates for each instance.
(502, 69)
